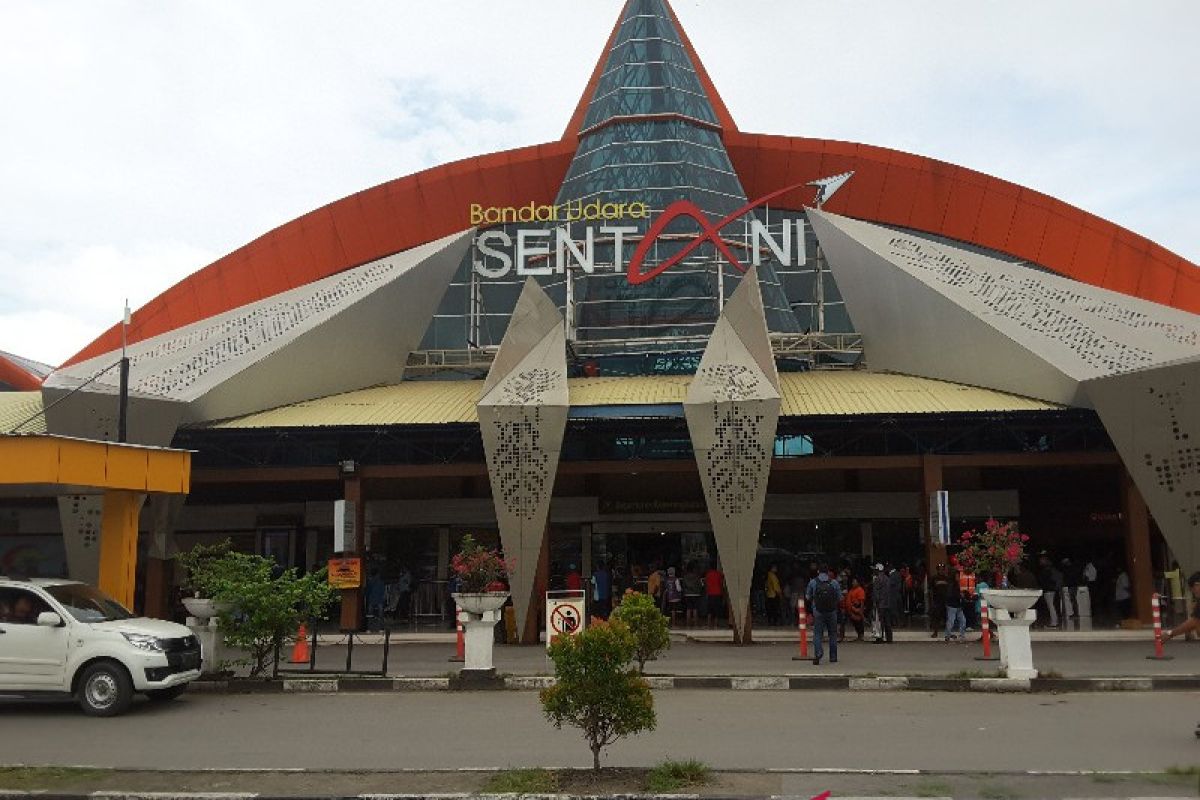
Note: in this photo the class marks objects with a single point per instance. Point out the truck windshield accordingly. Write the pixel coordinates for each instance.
(87, 603)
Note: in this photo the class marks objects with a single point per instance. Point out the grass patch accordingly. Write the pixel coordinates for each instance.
(995, 791)
(1107, 777)
(671, 776)
(932, 789)
(1189, 771)
(967, 674)
(522, 781)
(1173, 776)
(45, 777)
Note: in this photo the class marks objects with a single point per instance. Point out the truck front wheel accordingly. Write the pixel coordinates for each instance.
(105, 690)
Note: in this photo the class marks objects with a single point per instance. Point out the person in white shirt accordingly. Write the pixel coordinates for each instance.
(1123, 596)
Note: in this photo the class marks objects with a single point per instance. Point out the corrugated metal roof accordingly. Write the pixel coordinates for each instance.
(408, 403)
(16, 407)
(820, 393)
(836, 393)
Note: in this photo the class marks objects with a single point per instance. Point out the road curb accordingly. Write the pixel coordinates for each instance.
(750, 683)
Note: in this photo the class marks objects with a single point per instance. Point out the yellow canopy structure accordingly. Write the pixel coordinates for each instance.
(44, 465)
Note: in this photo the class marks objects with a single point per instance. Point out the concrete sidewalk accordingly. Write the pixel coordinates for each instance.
(924, 657)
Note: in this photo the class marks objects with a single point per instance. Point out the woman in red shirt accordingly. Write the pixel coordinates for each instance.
(856, 607)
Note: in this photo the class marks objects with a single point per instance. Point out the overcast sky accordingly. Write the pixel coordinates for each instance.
(140, 141)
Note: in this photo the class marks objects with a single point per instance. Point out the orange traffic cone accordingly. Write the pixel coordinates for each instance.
(300, 654)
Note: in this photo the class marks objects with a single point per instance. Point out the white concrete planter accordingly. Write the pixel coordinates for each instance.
(480, 602)
(1014, 601)
(479, 613)
(1012, 612)
(202, 621)
(203, 608)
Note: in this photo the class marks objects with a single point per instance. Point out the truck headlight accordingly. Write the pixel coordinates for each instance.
(144, 642)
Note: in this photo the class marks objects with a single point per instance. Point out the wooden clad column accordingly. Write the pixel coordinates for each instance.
(352, 599)
(931, 481)
(1137, 547)
(118, 544)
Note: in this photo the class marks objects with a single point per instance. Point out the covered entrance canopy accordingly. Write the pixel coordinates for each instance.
(119, 475)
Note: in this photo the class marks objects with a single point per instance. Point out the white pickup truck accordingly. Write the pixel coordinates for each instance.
(64, 637)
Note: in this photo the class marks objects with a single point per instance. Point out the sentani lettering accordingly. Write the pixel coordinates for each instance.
(550, 249)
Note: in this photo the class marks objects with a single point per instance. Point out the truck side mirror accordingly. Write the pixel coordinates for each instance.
(48, 619)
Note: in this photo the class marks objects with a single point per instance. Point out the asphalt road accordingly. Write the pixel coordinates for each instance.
(726, 729)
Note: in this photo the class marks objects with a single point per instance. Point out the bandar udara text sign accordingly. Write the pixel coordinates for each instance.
(550, 249)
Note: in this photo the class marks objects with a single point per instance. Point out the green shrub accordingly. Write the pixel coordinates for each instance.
(264, 606)
(671, 776)
(650, 627)
(596, 689)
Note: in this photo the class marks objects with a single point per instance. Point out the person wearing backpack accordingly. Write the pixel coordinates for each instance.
(824, 596)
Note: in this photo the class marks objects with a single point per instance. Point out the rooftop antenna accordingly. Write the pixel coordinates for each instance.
(123, 407)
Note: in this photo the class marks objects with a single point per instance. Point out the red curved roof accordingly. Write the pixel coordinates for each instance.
(358, 229)
(16, 375)
(898, 188)
(889, 187)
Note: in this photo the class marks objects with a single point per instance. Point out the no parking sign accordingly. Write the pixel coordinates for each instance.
(565, 614)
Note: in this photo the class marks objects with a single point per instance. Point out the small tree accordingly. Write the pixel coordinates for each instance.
(650, 628)
(595, 689)
(262, 605)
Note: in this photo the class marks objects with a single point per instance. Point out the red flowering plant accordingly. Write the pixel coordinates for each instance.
(996, 550)
(478, 568)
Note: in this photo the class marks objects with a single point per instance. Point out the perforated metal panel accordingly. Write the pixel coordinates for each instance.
(522, 417)
(929, 308)
(1064, 314)
(735, 465)
(289, 347)
(732, 410)
(80, 516)
(1153, 417)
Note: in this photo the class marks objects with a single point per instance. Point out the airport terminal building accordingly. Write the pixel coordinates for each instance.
(658, 339)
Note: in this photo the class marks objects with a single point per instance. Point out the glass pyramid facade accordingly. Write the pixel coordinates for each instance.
(649, 135)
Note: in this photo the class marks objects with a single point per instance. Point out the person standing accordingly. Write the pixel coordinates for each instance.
(895, 594)
(673, 592)
(1122, 596)
(1072, 576)
(602, 591)
(654, 584)
(954, 611)
(693, 591)
(856, 607)
(937, 601)
(774, 593)
(1045, 576)
(714, 594)
(881, 597)
(573, 581)
(966, 585)
(1090, 575)
(824, 594)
